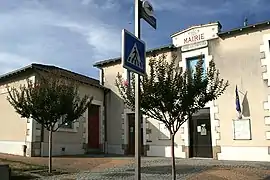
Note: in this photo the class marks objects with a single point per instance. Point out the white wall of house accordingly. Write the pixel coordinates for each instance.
(71, 141)
(114, 111)
(162, 147)
(243, 60)
(240, 60)
(16, 132)
(19, 132)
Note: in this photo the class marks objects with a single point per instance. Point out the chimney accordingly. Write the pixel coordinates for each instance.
(245, 22)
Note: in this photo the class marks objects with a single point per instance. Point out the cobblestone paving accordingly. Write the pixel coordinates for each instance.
(187, 169)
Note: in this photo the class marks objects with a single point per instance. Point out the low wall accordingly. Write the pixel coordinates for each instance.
(12, 147)
(62, 149)
(244, 153)
(4, 172)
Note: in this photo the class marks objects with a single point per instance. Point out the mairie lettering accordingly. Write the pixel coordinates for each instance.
(194, 38)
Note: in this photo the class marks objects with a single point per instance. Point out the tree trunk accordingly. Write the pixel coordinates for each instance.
(173, 158)
(50, 151)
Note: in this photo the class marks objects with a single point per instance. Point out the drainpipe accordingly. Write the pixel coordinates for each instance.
(246, 21)
(105, 111)
(101, 77)
(42, 141)
(105, 122)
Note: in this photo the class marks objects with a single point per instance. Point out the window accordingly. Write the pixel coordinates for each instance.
(164, 133)
(131, 77)
(27, 132)
(66, 125)
(179, 69)
(192, 62)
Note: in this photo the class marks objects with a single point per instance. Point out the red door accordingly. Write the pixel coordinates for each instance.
(93, 127)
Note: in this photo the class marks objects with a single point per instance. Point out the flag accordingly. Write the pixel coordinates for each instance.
(237, 101)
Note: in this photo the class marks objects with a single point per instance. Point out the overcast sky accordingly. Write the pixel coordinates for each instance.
(74, 34)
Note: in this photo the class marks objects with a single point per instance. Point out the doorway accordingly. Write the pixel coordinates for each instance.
(200, 135)
(131, 134)
(93, 126)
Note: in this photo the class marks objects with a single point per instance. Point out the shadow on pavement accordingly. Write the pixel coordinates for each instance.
(160, 170)
(95, 156)
(21, 177)
(180, 169)
(118, 174)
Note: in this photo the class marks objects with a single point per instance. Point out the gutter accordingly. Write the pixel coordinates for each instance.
(100, 64)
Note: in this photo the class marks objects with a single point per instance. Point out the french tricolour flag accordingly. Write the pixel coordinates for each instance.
(237, 101)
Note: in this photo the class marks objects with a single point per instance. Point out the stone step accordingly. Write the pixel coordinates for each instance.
(94, 151)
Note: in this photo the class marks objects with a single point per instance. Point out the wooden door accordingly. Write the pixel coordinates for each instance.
(93, 127)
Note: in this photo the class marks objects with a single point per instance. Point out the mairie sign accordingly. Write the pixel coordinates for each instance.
(133, 53)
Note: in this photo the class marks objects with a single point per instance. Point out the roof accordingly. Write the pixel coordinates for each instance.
(197, 26)
(67, 73)
(171, 46)
(243, 29)
(118, 59)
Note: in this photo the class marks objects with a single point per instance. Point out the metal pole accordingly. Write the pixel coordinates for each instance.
(137, 101)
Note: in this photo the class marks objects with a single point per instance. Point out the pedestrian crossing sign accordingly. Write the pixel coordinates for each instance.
(133, 53)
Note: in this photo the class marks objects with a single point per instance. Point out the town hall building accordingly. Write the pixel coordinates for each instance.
(242, 56)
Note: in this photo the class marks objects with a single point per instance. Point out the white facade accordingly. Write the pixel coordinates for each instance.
(241, 56)
(26, 137)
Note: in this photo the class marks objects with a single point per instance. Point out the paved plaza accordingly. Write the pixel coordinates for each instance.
(187, 169)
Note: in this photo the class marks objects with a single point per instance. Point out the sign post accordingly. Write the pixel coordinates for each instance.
(137, 100)
(134, 59)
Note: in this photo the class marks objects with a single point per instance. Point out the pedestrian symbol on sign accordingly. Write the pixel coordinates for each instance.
(134, 57)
